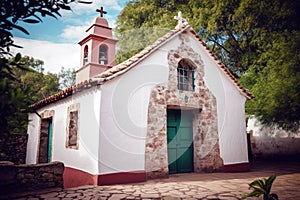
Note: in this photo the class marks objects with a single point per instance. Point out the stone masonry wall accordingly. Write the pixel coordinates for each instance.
(13, 148)
(20, 178)
(201, 102)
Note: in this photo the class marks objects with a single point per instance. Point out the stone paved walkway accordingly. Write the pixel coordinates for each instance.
(188, 186)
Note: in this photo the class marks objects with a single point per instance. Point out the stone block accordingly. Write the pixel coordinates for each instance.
(28, 176)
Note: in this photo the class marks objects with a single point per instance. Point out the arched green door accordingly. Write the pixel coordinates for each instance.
(180, 141)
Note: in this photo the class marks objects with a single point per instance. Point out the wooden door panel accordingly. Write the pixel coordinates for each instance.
(180, 141)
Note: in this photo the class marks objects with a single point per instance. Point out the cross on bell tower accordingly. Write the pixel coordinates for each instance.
(101, 11)
(98, 49)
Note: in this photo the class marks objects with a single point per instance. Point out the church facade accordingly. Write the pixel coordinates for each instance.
(171, 108)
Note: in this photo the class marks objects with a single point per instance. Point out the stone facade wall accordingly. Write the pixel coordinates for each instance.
(204, 107)
(13, 148)
(20, 178)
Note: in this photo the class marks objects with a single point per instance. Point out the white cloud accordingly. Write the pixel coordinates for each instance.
(80, 8)
(82, 16)
(54, 55)
(74, 33)
(87, 9)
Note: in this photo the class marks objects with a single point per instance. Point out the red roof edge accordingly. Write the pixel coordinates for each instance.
(64, 93)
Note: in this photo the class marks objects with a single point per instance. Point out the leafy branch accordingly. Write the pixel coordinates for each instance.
(262, 187)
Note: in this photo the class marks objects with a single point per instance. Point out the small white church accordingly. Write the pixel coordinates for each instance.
(171, 108)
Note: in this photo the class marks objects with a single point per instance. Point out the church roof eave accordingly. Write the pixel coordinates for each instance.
(64, 94)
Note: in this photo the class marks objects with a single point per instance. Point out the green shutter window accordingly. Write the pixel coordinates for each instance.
(185, 76)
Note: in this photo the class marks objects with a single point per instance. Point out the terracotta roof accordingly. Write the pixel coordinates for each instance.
(64, 93)
(131, 62)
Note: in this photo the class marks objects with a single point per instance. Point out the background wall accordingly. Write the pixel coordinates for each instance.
(272, 141)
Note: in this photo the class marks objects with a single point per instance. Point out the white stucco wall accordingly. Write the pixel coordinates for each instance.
(271, 140)
(86, 156)
(124, 110)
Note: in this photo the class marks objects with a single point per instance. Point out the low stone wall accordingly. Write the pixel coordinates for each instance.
(22, 178)
(13, 148)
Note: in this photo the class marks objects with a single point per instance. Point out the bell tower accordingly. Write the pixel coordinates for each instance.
(98, 49)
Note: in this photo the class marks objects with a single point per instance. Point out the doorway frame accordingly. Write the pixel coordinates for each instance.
(46, 115)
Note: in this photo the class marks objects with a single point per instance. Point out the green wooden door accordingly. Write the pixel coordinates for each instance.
(49, 141)
(180, 141)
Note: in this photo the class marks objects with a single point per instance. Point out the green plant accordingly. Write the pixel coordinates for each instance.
(262, 187)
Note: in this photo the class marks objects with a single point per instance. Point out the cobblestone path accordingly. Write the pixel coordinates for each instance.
(186, 186)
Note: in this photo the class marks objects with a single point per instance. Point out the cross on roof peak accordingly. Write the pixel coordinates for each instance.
(101, 11)
(181, 21)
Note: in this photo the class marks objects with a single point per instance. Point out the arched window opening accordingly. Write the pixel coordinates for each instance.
(85, 54)
(185, 76)
(103, 54)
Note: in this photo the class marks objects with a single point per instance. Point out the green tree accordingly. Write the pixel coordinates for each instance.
(258, 41)
(13, 96)
(28, 85)
(66, 78)
(275, 83)
(12, 100)
(39, 85)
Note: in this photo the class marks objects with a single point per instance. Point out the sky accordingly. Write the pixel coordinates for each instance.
(55, 41)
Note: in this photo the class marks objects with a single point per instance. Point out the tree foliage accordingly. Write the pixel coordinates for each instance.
(19, 88)
(66, 77)
(39, 84)
(28, 85)
(275, 82)
(258, 41)
(12, 99)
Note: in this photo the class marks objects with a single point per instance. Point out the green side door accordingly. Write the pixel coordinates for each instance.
(49, 150)
(180, 141)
